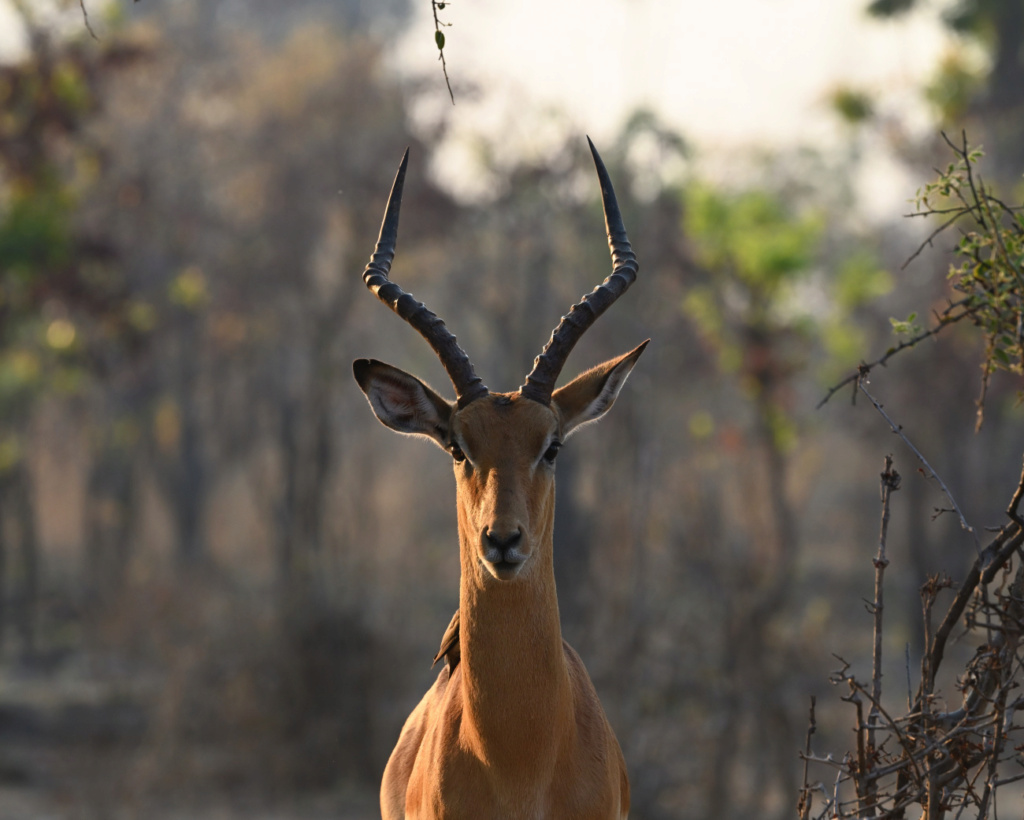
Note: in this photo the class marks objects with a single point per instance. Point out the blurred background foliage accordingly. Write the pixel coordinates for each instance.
(221, 581)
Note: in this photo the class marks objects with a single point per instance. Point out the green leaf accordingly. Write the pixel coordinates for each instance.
(853, 106)
(905, 326)
(889, 8)
(861, 280)
(439, 38)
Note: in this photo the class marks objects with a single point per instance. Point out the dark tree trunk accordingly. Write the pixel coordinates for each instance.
(4, 596)
(26, 613)
(111, 513)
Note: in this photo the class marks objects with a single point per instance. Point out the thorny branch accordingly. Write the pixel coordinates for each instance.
(944, 320)
(804, 805)
(898, 430)
(945, 761)
(927, 243)
(937, 760)
(889, 484)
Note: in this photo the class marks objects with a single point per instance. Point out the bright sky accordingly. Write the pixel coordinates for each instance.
(8, 28)
(727, 74)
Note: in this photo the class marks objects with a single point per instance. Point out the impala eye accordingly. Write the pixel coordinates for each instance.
(457, 453)
(552, 451)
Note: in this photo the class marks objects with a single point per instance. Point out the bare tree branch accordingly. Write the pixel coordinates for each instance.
(85, 17)
(804, 804)
(898, 430)
(889, 484)
(946, 318)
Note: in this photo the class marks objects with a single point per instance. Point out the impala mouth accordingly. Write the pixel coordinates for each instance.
(503, 566)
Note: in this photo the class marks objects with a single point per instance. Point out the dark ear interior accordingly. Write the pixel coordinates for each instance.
(402, 402)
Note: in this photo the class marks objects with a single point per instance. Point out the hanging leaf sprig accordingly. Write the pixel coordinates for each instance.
(440, 5)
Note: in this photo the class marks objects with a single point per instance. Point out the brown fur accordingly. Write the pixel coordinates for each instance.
(516, 729)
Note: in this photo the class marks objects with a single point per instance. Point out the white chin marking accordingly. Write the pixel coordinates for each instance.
(502, 571)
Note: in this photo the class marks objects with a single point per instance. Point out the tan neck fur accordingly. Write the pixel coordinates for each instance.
(515, 684)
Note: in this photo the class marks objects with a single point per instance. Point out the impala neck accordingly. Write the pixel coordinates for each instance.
(515, 684)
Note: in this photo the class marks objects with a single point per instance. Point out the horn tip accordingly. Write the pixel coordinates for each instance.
(404, 163)
(598, 162)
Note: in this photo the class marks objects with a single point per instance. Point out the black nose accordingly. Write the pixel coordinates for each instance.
(503, 541)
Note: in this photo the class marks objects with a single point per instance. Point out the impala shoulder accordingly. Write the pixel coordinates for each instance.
(578, 675)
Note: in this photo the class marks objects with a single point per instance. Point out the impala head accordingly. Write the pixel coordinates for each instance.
(503, 445)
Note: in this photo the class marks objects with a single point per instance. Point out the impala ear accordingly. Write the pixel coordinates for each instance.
(402, 402)
(589, 396)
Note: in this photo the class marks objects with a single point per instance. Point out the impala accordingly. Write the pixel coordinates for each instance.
(512, 727)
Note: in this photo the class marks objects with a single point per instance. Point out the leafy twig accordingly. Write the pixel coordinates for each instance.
(957, 213)
(946, 318)
(436, 6)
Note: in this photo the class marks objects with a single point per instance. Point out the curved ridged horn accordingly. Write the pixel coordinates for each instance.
(540, 384)
(468, 385)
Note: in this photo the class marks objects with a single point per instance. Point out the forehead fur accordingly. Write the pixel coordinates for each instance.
(503, 423)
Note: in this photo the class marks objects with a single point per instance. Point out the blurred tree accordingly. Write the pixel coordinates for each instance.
(234, 200)
(273, 19)
(990, 93)
(764, 304)
(62, 297)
